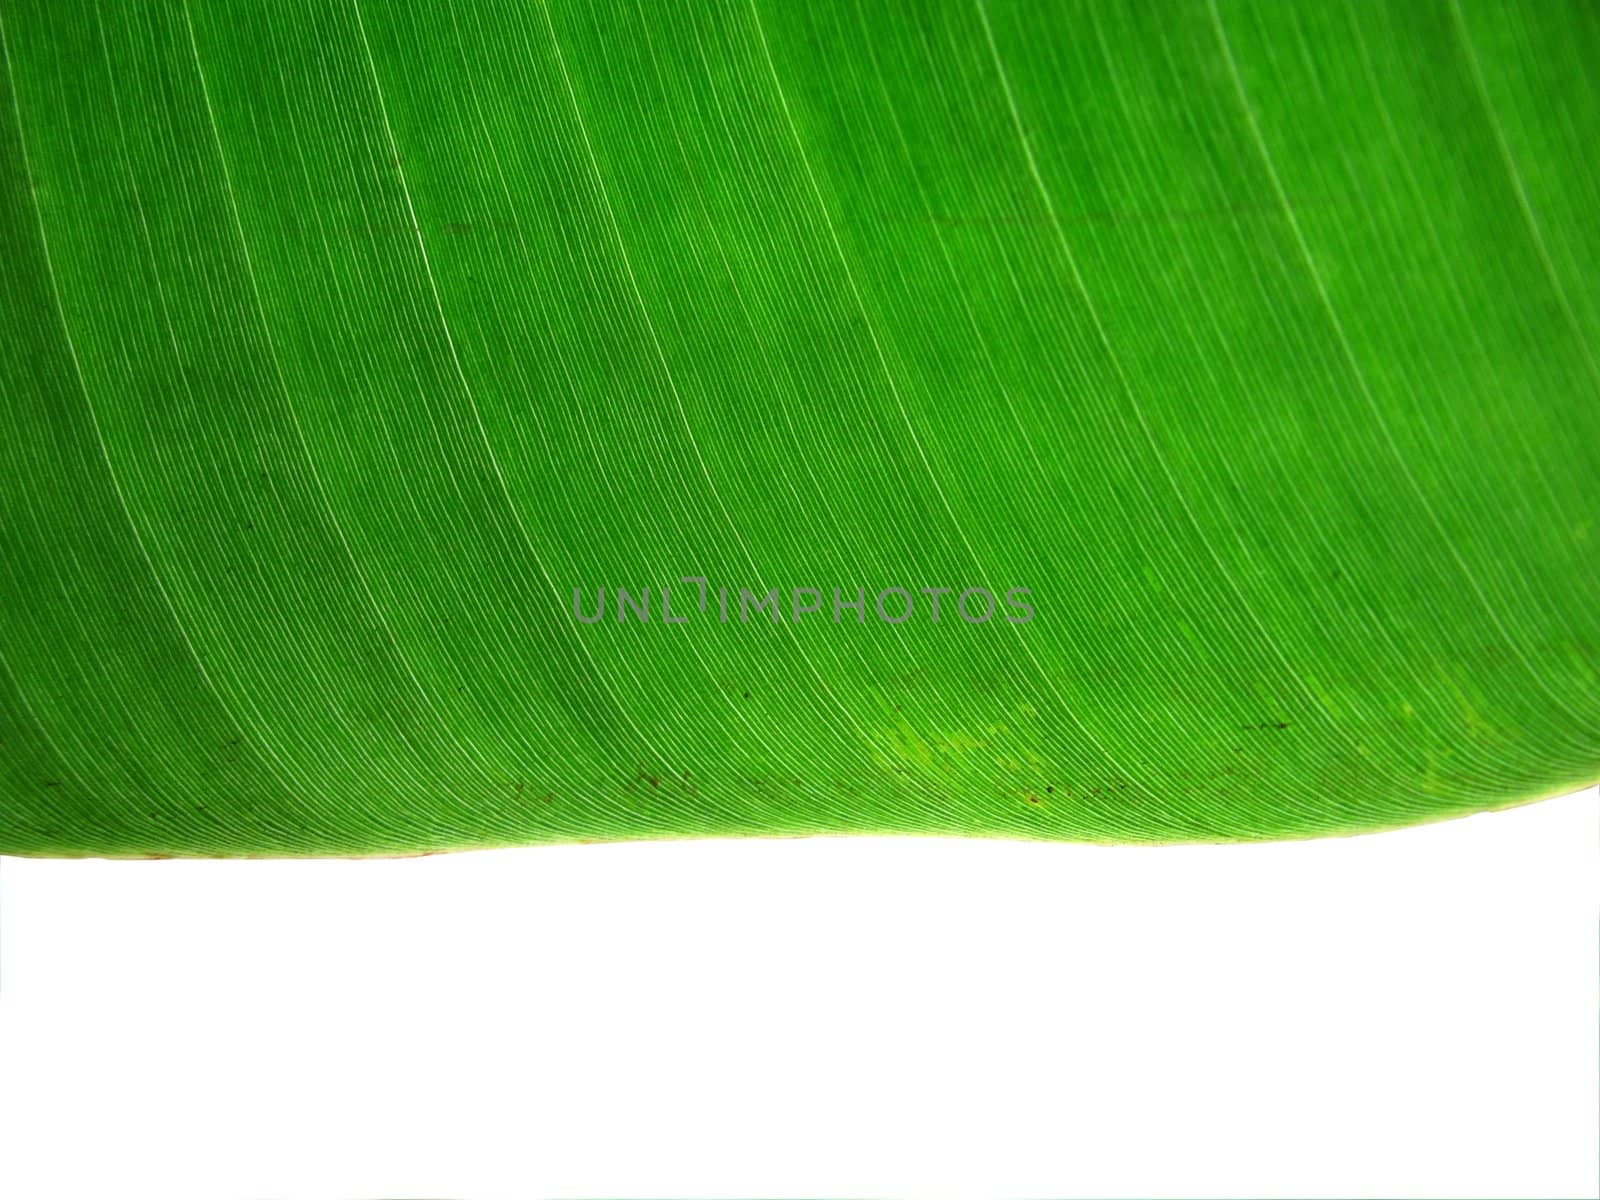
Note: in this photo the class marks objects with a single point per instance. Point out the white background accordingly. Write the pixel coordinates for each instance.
(1412, 1013)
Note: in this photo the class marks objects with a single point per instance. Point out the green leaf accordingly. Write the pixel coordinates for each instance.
(1258, 341)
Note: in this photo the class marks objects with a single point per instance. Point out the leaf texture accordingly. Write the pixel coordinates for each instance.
(1257, 340)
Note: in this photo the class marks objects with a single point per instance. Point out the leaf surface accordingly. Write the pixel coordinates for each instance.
(1257, 341)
